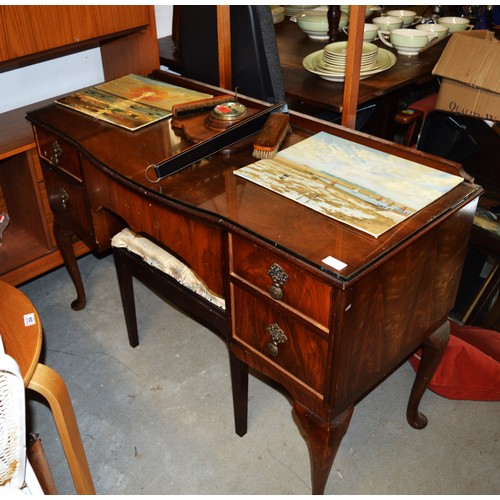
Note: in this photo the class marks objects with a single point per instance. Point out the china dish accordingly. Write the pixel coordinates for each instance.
(335, 56)
(314, 23)
(339, 50)
(455, 23)
(278, 12)
(291, 10)
(409, 17)
(440, 29)
(314, 63)
(408, 42)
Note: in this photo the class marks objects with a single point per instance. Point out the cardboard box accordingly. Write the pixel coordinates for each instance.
(470, 72)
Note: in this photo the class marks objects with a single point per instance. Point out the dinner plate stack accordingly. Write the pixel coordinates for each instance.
(278, 12)
(330, 63)
(335, 56)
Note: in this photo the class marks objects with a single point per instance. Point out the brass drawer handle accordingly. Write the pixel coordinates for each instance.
(279, 278)
(56, 153)
(64, 198)
(277, 337)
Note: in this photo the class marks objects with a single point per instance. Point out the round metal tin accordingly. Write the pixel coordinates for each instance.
(231, 110)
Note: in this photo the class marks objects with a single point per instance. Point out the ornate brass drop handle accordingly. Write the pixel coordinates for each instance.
(64, 198)
(56, 153)
(279, 278)
(277, 337)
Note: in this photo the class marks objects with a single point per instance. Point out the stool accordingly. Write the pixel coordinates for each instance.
(139, 257)
(21, 331)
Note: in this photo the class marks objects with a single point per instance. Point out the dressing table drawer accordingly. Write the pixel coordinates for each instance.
(58, 152)
(281, 341)
(68, 202)
(281, 280)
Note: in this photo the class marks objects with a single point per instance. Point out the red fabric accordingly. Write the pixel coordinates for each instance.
(470, 368)
(426, 104)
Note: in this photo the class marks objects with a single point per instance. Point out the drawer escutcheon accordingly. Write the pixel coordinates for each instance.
(279, 278)
(56, 153)
(277, 337)
(64, 198)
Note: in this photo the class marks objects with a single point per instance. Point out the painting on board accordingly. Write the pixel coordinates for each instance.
(131, 101)
(113, 109)
(354, 184)
(151, 92)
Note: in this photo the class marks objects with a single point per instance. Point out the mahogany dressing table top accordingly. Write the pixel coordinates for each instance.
(214, 192)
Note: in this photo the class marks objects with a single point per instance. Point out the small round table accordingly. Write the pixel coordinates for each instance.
(21, 332)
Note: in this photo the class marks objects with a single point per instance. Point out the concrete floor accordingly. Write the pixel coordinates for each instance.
(157, 419)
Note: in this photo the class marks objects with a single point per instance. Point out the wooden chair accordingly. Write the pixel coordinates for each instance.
(21, 331)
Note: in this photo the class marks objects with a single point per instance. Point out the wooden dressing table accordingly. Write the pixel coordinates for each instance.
(345, 330)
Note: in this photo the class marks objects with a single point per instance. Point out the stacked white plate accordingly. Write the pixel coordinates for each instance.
(330, 63)
(278, 12)
(335, 56)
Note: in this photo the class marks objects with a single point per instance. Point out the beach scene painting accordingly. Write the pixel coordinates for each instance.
(360, 186)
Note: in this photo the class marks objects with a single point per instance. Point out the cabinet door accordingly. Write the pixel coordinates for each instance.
(28, 29)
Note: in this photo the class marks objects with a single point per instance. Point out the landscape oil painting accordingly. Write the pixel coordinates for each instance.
(113, 109)
(349, 182)
(130, 101)
(150, 92)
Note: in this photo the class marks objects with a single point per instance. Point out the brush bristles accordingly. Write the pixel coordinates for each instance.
(269, 139)
(264, 155)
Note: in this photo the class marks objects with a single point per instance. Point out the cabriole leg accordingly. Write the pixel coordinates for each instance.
(324, 439)
(64, 240)
(432, 352)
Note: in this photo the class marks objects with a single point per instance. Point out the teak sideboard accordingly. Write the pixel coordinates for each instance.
(30, 34)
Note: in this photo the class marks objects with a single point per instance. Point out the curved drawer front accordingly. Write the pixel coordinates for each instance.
(58, 153)
(67, 200)
(281, 280)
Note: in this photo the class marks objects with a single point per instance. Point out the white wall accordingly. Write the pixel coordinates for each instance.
(44, 80)
(163, 20)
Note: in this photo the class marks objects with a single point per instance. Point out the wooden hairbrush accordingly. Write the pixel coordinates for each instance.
(197, 107)
(269, 139)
